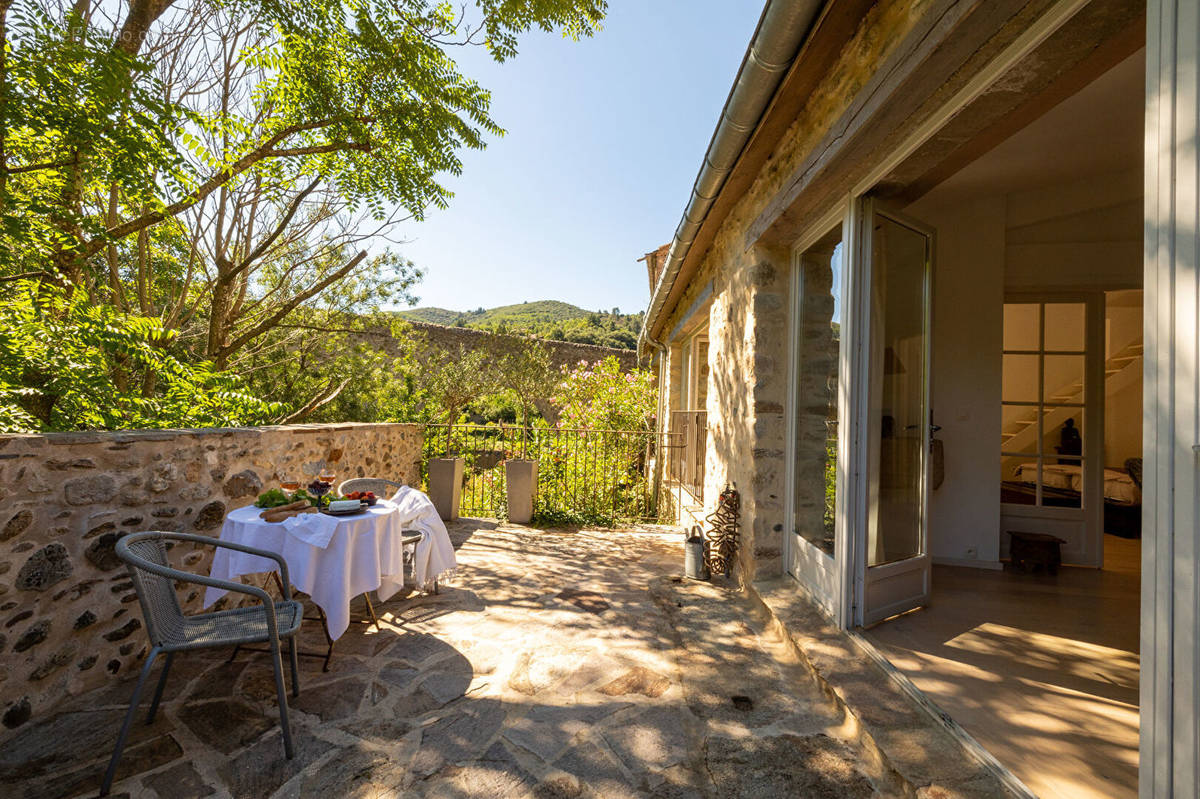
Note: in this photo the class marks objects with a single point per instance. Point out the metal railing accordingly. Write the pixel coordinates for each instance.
(687, 442)
(595, 476)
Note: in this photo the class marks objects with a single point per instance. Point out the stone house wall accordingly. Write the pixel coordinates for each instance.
(748, 316)
(69, 618)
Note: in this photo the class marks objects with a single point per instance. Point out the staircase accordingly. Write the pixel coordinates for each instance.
(1020, 435)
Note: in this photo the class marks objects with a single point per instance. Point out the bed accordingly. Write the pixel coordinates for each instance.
(1062, 486)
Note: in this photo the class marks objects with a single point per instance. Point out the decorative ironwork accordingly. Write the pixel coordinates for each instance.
(723, 534)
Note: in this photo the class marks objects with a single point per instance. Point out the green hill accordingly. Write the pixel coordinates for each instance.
(550, 319)
(435, 316)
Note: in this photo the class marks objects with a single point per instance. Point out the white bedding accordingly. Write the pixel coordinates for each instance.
(1118, 485)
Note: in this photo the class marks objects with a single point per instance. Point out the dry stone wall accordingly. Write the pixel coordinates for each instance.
(562, 353)
(69, 618)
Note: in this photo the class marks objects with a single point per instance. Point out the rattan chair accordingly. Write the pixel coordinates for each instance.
(170, 631)
(380, 487)
(384, 488)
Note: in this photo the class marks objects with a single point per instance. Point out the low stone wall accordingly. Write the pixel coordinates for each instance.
(69, 618)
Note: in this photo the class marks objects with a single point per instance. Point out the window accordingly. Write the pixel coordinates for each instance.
(817, 341)
(1042, 403)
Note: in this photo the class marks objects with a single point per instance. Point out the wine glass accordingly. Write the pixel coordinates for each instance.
(290, 486)
(318, 488)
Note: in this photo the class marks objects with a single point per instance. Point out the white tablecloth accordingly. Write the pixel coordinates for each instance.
(364, 554)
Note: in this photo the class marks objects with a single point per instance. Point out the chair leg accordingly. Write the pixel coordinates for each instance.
(162, 682)
(294, 656)
(124, 734)
(281, 693)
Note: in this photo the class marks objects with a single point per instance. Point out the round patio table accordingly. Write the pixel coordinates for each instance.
(331, 558)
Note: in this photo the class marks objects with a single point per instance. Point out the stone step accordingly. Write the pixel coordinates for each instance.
(931, 753)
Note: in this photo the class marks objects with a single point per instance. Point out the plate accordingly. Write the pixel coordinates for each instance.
(347, 512)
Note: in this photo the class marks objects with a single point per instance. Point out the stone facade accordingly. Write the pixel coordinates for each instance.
(69, 619)
(749, 283)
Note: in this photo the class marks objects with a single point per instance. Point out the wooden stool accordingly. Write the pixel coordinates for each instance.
(1030, 550)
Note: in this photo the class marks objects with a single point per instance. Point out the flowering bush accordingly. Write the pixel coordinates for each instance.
(599, 396)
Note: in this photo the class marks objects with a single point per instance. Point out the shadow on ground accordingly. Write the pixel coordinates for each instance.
(555, 664)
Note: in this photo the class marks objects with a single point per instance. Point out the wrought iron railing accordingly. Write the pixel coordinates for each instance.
(687, 440)
(594, 476)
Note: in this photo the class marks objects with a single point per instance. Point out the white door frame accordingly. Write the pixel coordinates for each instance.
(1170, 611)
(1090, 516)
(867, 426)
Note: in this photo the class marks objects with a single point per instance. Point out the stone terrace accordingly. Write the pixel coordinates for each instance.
(557, 664)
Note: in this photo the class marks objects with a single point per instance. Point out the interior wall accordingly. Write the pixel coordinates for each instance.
(1083, 234)
(1071, 236)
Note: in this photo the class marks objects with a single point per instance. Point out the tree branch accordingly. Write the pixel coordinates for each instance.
(322, 398)
(289, 306)
(215, 182)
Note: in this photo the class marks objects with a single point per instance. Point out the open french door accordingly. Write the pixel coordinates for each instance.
(893, 542)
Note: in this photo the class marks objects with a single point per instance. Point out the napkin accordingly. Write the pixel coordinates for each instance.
(316, 529)
(434, 556)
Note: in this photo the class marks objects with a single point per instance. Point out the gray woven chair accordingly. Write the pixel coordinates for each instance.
(381, 488)
(170, 631)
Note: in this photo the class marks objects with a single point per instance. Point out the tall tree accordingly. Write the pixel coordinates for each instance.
(235, 170)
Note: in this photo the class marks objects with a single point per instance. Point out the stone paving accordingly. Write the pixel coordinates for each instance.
(556, 664)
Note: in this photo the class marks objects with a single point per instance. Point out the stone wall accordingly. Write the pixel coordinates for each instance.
(69, 618)
(562, 353)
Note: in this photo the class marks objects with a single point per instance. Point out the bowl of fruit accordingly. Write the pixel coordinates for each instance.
(366, 497)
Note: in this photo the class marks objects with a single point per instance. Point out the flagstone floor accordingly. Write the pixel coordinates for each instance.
(556, 664)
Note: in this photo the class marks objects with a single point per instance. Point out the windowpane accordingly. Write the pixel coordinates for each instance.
(1045, 394)
(1018, 427)
(1019, 478)
(818, 329)
(1063, 381)
(899, 263)
(1021, 326)
(1062, 483)
(1020, 378)
(1066, 326)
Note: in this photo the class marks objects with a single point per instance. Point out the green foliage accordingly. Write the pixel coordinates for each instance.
(546, 319)
(453, 380)
(199, 190)
(364, 95)
(600, 396)
(68, 365)
(526, 374)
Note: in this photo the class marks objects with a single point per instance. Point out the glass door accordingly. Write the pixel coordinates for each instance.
(895, 555)
(814, 417)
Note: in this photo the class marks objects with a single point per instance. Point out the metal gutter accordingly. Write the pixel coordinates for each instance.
(781, 31)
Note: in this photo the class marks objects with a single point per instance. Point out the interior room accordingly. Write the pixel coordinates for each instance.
(1036, 384)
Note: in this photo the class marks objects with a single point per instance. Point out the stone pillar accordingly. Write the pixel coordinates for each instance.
(1170, 696)
(748, 390)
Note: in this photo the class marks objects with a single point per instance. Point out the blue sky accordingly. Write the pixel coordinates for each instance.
(604, 138)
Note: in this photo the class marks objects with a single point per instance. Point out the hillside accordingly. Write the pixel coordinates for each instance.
(549, 319)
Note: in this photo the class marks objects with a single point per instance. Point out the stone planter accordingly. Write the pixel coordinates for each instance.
(445, 486)
(521, 479)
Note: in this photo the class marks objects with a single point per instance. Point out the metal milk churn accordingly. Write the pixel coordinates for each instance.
(694, 567)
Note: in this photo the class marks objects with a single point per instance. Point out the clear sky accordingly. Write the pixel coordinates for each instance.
(604, 139)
